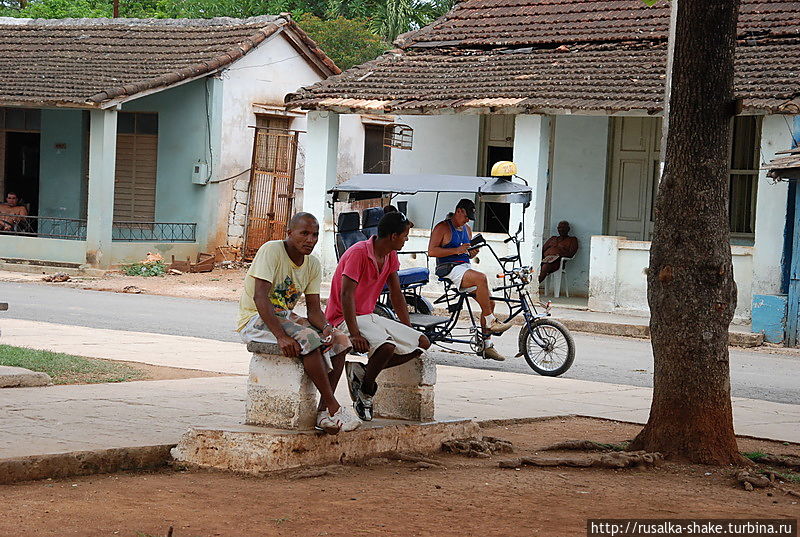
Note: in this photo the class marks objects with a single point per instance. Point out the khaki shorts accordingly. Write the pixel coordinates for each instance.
(299, 329)
(378, 330)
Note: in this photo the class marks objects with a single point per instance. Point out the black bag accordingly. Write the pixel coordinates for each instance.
(443, 269)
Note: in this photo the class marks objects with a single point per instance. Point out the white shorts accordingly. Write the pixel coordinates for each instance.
(457, 274)
(378, 330)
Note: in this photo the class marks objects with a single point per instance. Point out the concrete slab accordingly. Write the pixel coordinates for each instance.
(19, 377)
(257, 450)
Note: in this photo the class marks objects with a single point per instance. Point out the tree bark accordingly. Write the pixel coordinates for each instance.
(690, 287)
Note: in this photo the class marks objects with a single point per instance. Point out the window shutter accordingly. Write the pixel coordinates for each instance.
(135, 180)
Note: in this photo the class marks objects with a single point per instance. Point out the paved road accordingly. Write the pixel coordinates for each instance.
(754, 374)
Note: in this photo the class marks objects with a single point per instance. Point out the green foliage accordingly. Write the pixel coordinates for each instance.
(754, 456)
(145, 268)
(68, 369)
(348, 42)
(390, 18)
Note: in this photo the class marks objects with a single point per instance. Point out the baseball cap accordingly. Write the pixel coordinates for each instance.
(469, 207)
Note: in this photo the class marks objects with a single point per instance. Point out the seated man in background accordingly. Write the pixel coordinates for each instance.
(11, 212)
(449, 244)
(362, 272)
(556, 247)
(281, 272)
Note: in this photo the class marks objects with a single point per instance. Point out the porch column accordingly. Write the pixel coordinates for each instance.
(771, 204)
(100, 204)
(532, 157)
(322, 147)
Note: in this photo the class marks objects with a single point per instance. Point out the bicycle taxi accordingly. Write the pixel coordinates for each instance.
(545, 343)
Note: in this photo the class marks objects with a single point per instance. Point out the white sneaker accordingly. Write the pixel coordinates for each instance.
(327, 423)
(345, 420)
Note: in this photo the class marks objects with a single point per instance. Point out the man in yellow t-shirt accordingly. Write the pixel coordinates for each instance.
(281, 273)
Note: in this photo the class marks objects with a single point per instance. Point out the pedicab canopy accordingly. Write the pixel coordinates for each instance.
(493, 189)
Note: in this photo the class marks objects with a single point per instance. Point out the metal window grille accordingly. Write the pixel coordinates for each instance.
(46, 227)
(154, 232)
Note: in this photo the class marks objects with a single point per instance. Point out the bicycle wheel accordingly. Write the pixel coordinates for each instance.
(384, 311)
(558, 354)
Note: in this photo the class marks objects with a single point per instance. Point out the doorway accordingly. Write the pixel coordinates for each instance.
(22, 168)
(496, 144)
(635, 172)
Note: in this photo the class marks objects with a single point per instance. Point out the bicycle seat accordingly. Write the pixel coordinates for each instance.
(508, 258)
(468, 290)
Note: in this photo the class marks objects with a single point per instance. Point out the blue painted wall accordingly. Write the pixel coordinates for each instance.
(183, 139)
(61, 170)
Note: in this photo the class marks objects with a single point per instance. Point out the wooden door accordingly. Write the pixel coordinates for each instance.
(272, 175)
(635, 171)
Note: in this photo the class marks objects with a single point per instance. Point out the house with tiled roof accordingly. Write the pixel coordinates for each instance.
(123, 136)
(572, 91)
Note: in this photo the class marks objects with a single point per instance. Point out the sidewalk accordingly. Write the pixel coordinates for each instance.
(60, 419)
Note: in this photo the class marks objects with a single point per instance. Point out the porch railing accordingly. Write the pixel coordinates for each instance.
(51, 227)
(47, 227)
(154, 231)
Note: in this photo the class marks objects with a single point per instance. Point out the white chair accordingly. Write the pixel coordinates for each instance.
(556, 278)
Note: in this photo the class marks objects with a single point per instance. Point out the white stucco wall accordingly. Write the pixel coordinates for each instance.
(618, 280)
(771, 203)
(265, 75)
(578, 183)
(351, 147)
(442, 145)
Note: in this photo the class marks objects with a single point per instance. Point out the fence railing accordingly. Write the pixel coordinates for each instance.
(51, 227)
(47, 227)
(154, 232)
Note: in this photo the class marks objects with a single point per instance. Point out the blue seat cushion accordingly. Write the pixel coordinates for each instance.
(413, 275)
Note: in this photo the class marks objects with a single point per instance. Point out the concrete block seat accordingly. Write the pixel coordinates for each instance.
(281, 395)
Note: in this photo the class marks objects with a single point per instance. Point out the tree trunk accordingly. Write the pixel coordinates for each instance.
(690, 285)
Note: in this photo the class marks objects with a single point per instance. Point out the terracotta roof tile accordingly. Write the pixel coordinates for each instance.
(83, 62)
(601, 77)
(489, 23)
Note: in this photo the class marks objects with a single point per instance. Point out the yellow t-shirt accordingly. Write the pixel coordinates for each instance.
(289, 281)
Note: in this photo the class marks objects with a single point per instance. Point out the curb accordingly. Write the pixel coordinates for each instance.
(640, 331)
(78, 463)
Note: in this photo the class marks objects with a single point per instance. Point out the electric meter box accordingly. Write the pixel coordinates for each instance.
(200, 173)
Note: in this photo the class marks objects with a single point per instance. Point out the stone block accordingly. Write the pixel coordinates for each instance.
(239, 219)
(406, 391)
(19, 377)
(241, 197)
(241, 185)
(235, 230)
(279, 393)
(257, 450)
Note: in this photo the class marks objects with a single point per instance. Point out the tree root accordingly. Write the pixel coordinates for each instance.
(766, 480)
(420, 460)
(786, 461)
(622, 459)
(482, 448)
(585, 445)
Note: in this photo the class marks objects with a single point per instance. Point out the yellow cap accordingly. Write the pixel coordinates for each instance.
(504, 168)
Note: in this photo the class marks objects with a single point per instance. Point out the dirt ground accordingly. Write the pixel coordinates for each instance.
(157, 372)
(219, 284)
(469, 497)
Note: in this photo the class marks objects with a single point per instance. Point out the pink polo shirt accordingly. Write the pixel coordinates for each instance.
(360, 265)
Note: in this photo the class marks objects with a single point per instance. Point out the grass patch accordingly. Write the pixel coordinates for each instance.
(754, 456)
(785, 475)
(68, 369)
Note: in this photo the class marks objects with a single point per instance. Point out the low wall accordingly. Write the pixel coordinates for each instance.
(40, 249)
(617, 277)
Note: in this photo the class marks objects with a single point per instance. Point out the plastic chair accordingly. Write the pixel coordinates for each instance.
(556, 278)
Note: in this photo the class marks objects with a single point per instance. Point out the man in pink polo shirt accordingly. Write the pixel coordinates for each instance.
(362, 272)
